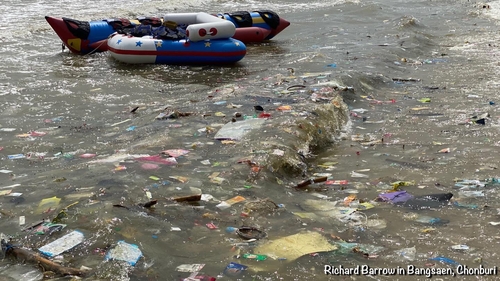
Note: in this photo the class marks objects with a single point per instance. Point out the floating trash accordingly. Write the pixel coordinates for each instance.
(294, 246)
(124, 251)
(62, 244)
(189, 267)
(233, 269)
(249, 232)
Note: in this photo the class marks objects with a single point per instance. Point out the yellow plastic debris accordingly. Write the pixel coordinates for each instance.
(23, 135)
(179, 179)
(304, 215)
(47, 204)
(365, 206)
(420, 108)
(235, 200)
(5, 192)
(284, 108)
(397, 184)
(120, 168)
(294, 246)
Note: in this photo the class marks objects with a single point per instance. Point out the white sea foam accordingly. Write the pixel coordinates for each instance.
(484, 45)
(278, 6)
(490, 9)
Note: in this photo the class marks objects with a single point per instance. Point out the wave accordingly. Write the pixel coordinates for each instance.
(407, 22)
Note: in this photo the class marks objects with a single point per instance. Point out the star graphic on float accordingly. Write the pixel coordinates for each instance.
(138, 44)
(158, 43)
(207, 44)
(118, 42)
(237, 43)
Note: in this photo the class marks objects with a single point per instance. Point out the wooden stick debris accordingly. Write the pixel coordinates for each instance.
(25, 255)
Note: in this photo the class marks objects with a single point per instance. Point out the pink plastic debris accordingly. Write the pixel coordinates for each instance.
(37, 134)
(158, 159)
(88, 155)
(175, 152)
(149, 166)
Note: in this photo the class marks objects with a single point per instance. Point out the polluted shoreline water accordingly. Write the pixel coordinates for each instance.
(311, 115)
(411, 180)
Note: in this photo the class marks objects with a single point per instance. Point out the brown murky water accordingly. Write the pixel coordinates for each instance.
(423, 76)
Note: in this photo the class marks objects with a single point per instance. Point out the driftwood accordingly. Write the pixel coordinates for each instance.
(306, 183)
(146, 205)
(188, 198)
(25, 255)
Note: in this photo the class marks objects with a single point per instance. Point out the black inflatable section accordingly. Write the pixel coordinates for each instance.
(80, 29)
(120, 25)
(242, 18)
(271, 18)
(156, 22)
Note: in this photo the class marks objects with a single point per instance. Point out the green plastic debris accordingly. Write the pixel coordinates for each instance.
(424, 100)
(68, 156)
(365, 206)
(255, 257)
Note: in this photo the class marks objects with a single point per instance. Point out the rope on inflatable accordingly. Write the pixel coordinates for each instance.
(97, 48)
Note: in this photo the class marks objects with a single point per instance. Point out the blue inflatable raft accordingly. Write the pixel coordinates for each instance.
(208, 41)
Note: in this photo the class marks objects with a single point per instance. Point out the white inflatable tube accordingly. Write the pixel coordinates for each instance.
(202, 26)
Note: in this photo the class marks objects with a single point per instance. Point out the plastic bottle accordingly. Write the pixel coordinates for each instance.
(231, 229)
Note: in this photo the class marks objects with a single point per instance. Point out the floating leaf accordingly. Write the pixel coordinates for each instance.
(120, 168)
(179, 178)
(23, 135)
(329, 163)
(444, 150)
(284, 108)
(420, 108)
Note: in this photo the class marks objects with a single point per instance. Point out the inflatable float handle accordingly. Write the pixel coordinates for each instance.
(203, 26)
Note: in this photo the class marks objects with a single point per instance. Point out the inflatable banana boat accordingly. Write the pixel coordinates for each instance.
(84, 37)
(207, 40)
